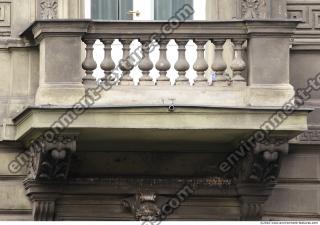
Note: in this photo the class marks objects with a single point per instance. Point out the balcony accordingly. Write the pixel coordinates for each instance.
(258, 74)
(255, 88)
(198, 120)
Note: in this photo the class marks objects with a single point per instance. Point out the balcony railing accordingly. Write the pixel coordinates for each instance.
(259, 66)
(151, 35)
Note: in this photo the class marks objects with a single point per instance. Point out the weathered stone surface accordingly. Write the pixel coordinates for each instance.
(294, 197)
(16, 215)
(12, 195)
(294, 201)
(5, 77)
(223, 124)
(301, 167)
(6, 162)
(50, 160)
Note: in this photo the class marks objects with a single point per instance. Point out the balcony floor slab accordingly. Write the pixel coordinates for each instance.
(157, 123)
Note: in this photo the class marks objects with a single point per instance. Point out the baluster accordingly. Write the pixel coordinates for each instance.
(89, 64)
(125, 63)
(219, 65)
(163, 64)
(145, 64)
(182, 64)
(238, 65)
(200, 64)
(107, 65)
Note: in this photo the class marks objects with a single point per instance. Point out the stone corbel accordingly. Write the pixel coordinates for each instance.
(143, 206)
(258, 174)
(50, 160)
(263, 164)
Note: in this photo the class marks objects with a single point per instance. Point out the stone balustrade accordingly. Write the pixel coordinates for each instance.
(149, 40)
(258, 74)
(145, 64)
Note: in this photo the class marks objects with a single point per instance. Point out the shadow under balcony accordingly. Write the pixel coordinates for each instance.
(114, 128)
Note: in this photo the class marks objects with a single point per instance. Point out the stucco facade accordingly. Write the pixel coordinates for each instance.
(138, 147)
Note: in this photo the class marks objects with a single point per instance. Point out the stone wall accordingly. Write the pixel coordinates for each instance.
(19, 80)
(18, 83)
(297, 195)
(14, 205)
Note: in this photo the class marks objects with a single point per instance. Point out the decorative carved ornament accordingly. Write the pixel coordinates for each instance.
(254, 9)
(251, 211)
(308, 137)
(5, 20)
(143, 206)
(51, 160)
(257, 175)
(48, 9)
(262, 165)
(43, 210)
(308, 13)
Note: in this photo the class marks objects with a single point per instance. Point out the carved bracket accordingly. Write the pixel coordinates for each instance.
(263, 164)
(257, 176)
(51, 160)
(143, 206)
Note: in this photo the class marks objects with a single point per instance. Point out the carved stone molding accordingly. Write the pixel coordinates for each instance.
(308, 137)
(251, 210)
(143, 206)
(254, 9)
(252, 199)
(263, 164)
(309, 13)
(261, 9)
(51, 160)
(43, 210)
(257, 175)
(48, 9)
(5, 18)
(43, 195)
